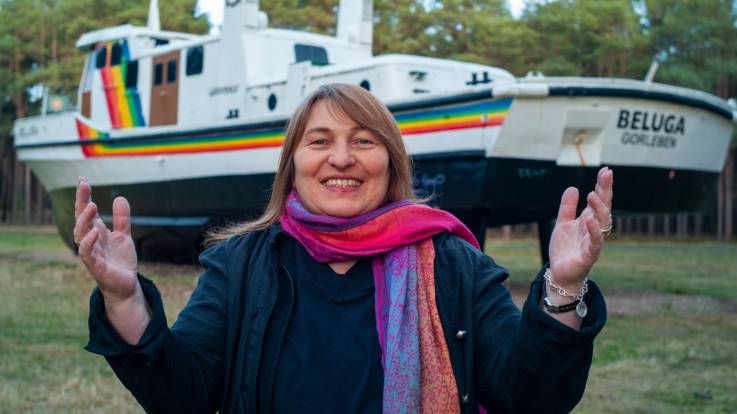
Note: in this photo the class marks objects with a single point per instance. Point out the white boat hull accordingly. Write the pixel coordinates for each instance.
(489, 160)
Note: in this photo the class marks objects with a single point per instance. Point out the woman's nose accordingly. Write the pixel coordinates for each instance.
(341, 157)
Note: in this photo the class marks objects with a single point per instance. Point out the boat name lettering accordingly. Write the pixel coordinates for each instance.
(647, 140)
(428, 185)
(27, 131)
(221, 90)
(651, 121)
(527, 172)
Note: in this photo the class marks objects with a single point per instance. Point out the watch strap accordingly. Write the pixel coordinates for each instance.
(555, 308)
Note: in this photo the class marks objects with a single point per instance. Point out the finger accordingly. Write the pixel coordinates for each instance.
(90, 253)
(82, 197)
(568, 204)
(601, 212)
(605, 186)
(85, 247)
(602, 170)
(121, 215)
(586, 215)
(84, 221)
(595, 235)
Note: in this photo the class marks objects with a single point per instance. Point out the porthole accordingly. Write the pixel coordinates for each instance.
(272, 102)
(365, 85)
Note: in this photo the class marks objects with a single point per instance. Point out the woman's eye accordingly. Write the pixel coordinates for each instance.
(319, 141)
(364, 141)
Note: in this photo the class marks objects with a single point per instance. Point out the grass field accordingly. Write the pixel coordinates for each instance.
(670, 345)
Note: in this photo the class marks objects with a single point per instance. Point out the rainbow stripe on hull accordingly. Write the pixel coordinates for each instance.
(476, 115)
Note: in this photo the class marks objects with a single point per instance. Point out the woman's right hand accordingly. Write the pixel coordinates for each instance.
(110, 257)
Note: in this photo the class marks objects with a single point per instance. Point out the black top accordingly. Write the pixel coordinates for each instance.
(330, 361)
(221, 354)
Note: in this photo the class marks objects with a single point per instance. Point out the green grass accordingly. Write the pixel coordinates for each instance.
(13, 239)
(669, 346)
(43, 328)
(681, 268)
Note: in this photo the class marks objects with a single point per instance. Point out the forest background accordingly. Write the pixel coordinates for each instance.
(694, 41)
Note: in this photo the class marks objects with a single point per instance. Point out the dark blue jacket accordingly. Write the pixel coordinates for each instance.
(222, 351)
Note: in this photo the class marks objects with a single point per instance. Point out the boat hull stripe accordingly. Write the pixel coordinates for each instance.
(97, 143)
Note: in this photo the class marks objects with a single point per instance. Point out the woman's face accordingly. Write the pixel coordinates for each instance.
(340, 169)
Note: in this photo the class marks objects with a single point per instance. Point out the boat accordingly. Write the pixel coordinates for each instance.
(189, 128)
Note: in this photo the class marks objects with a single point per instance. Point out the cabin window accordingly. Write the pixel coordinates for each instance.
(131, 74)
(272, 102)
(171, 71)
(101, 58)
(194, 60)
(160, 42)
(115, 52)
(158, 73)
(365, 84)
(314, 54)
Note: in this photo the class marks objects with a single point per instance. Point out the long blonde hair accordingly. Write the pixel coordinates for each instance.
(363, 108)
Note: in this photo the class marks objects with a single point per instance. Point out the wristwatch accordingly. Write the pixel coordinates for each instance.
(553, 308)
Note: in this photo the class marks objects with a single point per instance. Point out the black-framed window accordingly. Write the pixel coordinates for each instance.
(171, 71)
(195, 58)
(158, 73)
(115, 54)
(131, 74)
(160, 42)
(101, 58)
(315, 54)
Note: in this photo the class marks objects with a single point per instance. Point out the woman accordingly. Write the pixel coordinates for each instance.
(346, 296)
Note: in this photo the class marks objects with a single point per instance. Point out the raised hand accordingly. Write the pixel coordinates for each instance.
(110, 257)
(576, 242)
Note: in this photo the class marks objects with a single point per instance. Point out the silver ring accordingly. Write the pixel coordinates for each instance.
(607, 231)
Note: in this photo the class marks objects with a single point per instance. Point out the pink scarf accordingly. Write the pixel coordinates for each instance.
(418, 376)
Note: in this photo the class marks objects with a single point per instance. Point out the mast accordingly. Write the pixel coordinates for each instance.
(153, 23)
(240, 14)
(355, 21)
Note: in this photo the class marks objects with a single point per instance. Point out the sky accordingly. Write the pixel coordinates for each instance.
(215, 9)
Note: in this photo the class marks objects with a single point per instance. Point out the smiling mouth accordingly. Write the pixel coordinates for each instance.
(342, 183)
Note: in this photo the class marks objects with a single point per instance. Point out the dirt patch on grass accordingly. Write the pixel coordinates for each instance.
(41, 256)
(637, 302)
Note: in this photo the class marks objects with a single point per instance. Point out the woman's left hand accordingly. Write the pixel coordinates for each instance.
(576, 242)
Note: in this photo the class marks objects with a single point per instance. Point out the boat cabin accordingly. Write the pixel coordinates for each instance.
(145, 77)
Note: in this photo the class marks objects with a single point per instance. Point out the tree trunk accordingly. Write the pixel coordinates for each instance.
(729, 197)
(7, 176)
(720, 208)
(651, 225)
(38, 216)
(17, 193)
(507, 232)
(27, 219)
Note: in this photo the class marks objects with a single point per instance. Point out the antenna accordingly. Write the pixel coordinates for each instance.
(153, 16)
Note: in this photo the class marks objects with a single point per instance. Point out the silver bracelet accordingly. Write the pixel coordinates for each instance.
(548, 276)
(581, 308)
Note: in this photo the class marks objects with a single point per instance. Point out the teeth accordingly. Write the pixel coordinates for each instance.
(342, 183)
